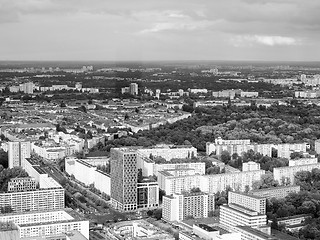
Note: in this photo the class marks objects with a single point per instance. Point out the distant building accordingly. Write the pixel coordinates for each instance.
(17, 153)
(133, 88)
(27, 87)
(290, 172)
(249, 94)
(250, 166)
(275, 192)
(177, 207)
(302, 161)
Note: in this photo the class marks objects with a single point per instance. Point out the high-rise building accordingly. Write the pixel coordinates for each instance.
(134, 88)
(17, 153)
(250, 166)
(147, 194)
(252, 202)
(177, 207)
(21, 184)
(124, 174)
(243, 210)
(27, 87)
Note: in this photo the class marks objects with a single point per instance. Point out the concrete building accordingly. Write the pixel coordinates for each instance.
(302, 161)
(177, 207)
(27, 87)
(148, 194)
(169, 152)
(99, 179)
(133, 88)
(208, 183)
(249, 94)
(21, 184)
(47, 223)
(275, 192)
(124, 178)
(235, 215)
(17, 153)
(317, 146)
(289, 172)
(252, 202)
(250, 166)
(249, 233)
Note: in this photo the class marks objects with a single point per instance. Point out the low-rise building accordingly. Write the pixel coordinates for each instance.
(275, 192)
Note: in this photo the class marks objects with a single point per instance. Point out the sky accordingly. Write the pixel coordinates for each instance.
(115, 30)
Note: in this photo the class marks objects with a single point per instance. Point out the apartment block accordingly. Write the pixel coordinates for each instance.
(252, 202)
(236, 215)
(208, 183)
(177, 207)
(21, 184)
(250, 166)
(302, 161)
(47, 223)
(290, 172)
(275, 192)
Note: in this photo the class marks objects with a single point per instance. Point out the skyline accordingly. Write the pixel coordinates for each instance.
(236, 30)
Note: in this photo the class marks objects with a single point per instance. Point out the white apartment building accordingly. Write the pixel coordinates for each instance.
(285, 150)
(275, 192)
(99, 179)
(177, 207)
(249, 94)
(17, 153)
(290, 172)
(250, 166)
(302, 161)
(252, 202)
(235, 215)
(47, 223)
(36, 200)
(168, 152)
(209, 183)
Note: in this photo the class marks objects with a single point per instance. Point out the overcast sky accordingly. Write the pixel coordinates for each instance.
(160, 30)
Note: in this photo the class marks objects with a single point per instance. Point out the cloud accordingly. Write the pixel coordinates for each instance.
(246, 40)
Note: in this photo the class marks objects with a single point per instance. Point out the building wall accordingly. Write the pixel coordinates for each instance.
(124, 178)
(277, 192)
(252, 202)
(289, 172)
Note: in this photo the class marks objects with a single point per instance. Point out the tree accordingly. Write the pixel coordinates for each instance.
(157, 214)
(195, 190)
(225, 157)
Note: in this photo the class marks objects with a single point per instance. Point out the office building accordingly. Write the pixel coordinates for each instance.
(177, 207)
(289, 173)
(123, 164)
(17, 153)
(148, 194)
(275, 192)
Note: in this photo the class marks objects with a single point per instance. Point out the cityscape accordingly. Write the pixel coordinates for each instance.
(159, 120)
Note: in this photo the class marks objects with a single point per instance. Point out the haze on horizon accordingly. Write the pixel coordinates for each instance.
(124, 30)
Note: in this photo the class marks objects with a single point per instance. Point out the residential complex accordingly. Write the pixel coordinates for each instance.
(289, 172)
(177, 207)
(275, 192)
(47, 223)
(243, 210)
(208, 183)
